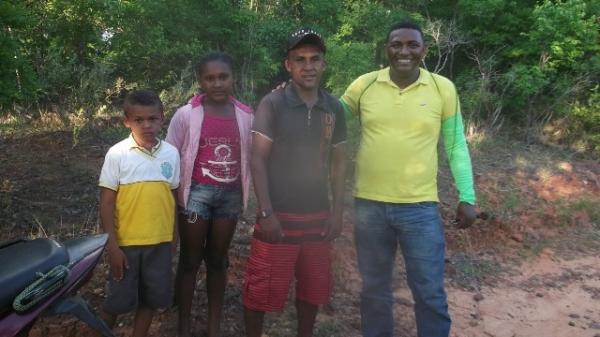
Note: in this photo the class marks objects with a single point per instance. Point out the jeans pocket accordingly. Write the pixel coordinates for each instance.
(367, 213)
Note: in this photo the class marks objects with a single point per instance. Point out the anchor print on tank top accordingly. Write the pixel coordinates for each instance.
(218, 159)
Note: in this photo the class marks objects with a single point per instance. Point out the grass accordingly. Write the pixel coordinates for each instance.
(510, 202)
(471, 272)
(281, 324)
(26, 124)
(588, 208)
(284, 324)
(536, 245)
(114, 134)
(329, 328)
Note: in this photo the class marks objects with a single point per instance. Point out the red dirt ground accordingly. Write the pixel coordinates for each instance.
(531, 269)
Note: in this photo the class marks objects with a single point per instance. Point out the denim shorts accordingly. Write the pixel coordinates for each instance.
(209, 201)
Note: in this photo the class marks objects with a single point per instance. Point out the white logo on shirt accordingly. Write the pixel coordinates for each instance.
(222, 158)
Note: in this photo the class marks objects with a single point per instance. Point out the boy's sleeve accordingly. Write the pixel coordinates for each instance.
(456, 147)
(109, 176)
(176, 171)
(263, 119)
(339, 129)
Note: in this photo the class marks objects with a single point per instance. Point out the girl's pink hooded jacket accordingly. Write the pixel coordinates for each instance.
(184, 134)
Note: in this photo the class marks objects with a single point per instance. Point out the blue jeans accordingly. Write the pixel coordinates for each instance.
(417, 228)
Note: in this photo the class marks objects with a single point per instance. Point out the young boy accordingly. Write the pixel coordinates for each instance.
(137, 210)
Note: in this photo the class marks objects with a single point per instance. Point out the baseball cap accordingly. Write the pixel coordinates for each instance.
(305, 35)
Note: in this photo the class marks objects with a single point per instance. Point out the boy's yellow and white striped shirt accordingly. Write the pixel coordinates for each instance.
(143, 180)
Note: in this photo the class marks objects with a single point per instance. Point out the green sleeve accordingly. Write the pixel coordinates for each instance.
(458, 157)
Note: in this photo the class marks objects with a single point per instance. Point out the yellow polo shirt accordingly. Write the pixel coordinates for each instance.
(397, 159)
(143, 180)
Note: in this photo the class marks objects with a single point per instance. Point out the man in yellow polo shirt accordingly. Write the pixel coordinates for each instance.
(402, 110)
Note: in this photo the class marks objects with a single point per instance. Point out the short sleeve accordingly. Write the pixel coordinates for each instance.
(350, 99)
(263, 118)
(339, 129)
(109, 176)
(176, 171)
(451, 105)
(351, 95)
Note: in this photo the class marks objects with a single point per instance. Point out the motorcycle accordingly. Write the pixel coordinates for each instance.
(40, 277)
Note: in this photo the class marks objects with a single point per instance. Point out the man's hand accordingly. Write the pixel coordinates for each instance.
(271, 228)
(333, 226)
(465, 215)
(118, 262)
(281, 85)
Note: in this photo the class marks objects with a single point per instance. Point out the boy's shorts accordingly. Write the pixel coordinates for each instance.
(208, 201)
(272, 266)
(147, 282)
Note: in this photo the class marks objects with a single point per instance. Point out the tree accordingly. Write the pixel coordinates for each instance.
(17, 79)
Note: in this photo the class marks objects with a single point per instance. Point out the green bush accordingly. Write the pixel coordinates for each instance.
(585, 120)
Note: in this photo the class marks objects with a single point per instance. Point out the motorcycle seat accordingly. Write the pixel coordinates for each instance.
(21, 261)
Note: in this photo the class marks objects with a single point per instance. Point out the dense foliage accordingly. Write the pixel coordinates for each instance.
(529, 63)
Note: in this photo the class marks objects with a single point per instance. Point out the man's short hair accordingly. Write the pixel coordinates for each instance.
(405, 24)
(142, 97)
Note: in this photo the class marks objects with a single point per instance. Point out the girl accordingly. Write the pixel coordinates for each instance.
(212, 134)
